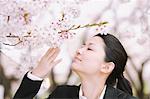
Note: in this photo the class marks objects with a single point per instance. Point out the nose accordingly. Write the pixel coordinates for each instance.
(80, 50)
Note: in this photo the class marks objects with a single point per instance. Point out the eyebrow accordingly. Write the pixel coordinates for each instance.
(89, 43)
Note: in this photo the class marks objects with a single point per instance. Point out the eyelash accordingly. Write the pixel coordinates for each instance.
(89, 49)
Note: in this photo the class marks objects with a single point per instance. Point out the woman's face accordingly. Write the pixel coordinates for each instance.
(90, 56)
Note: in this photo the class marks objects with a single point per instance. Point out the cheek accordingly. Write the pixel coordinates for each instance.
(91, 61)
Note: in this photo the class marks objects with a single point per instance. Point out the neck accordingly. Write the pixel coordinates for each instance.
(92, 87)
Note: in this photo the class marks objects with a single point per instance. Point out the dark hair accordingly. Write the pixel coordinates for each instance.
(116, 53)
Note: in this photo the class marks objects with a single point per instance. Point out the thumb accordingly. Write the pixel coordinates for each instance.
(56, 62)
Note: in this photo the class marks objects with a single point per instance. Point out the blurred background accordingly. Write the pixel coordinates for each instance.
(128, 20)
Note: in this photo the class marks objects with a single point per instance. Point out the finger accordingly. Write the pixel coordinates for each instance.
(52, 57)
(55, 54)
(56, 62)
(50, 54)
(48, 51)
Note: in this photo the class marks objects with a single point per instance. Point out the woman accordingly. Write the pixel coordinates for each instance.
(100, 64)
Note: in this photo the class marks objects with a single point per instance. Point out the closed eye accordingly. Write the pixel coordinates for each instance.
(89, 49)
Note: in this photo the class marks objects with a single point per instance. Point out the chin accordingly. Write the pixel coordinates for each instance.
(75, 66)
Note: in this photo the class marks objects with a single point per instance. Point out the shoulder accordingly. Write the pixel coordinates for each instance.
(64, 91)
(67, 88)
(123, 95)
(114, 92)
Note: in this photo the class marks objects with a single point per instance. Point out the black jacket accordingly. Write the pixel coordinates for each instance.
(28, 89)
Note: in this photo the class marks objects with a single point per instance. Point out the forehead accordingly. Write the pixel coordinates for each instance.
(96, 40)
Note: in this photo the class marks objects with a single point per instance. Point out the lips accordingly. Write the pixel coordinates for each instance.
(77, 58)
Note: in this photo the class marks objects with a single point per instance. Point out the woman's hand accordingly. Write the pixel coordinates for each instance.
(46, 63)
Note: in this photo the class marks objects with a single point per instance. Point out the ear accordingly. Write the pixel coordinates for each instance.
(107, 67)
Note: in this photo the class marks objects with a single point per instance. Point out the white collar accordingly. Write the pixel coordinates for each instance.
(83, 97)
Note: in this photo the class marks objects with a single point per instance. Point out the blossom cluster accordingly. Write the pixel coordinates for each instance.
(25, 23)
